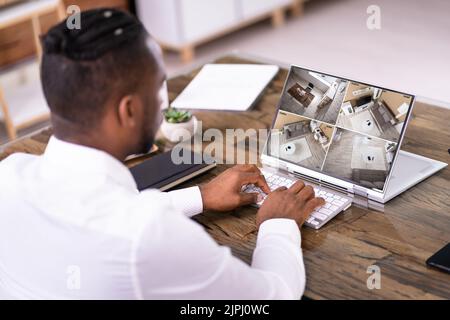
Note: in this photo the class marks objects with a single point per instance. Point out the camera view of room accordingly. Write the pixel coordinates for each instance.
(300, 140)
(374, 111)
(313, 95)
(362, 159)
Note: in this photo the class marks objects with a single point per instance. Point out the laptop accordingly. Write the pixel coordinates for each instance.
(343, 138)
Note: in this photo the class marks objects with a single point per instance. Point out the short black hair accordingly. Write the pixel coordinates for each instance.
(84, 69)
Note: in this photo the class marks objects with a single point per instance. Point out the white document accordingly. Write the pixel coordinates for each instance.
(233, 87)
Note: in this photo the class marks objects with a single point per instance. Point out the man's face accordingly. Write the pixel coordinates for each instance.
(154, 98)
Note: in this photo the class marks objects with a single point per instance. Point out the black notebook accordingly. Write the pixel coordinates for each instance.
(159, 172)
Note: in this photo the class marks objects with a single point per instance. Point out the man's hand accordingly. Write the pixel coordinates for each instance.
(296, 203)
(224, 193)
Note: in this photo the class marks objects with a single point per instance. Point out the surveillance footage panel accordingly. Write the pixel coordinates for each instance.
(374, 111)
(339, 127)
(300, 140)
(313, 95)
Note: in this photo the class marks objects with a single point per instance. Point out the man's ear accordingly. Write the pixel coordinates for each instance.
(127, 112)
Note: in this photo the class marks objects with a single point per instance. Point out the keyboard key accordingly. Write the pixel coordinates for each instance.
(333, 208)
(337, 197)
(314, 223)
(319, 216)
(338, 202)
(330, 195)
(325, 211)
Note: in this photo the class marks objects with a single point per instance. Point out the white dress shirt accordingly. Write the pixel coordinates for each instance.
(74, 226)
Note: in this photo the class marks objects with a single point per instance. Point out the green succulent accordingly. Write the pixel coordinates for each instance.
(173, 115)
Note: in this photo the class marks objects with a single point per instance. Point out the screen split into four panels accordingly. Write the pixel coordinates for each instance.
(336, 126)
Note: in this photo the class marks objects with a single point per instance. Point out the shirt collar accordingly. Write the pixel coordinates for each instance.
(84, 159)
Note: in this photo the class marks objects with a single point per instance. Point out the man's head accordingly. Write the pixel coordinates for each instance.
(103, 82)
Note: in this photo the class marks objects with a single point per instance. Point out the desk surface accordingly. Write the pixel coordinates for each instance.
(412, 227)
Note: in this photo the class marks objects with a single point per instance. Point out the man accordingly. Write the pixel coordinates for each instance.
(74, 226)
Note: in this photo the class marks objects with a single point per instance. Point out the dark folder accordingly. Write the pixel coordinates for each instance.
(159, 172)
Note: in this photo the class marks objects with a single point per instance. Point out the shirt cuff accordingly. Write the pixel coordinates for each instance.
(188, 201)
(284, 227)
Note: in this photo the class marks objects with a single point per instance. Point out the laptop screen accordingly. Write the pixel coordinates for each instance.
(345, 129)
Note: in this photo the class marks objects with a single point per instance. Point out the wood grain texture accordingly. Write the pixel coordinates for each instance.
(412, 227)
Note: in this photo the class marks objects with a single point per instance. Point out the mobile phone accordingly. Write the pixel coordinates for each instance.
(441, 259)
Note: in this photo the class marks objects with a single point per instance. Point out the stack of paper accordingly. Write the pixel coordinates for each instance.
(233, 87)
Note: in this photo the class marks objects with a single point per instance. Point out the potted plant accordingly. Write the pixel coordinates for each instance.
(178, 124)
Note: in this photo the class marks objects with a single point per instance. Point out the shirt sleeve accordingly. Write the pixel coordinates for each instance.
(188, 201)
(177, 259)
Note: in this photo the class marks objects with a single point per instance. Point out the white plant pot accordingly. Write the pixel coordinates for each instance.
(177, 132)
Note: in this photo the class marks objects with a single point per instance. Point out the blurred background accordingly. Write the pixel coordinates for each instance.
(406, 47)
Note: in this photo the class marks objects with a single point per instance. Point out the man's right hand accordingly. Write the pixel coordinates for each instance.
(296, 203)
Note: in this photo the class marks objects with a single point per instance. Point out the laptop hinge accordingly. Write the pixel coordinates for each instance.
(333, 186)
(319, 182)
(360, 192)
(282, 166)
(304, 177)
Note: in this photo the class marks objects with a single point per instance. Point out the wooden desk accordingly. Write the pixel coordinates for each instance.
(413, 227)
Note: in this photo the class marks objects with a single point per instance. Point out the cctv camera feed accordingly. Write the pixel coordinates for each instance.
(346, 129)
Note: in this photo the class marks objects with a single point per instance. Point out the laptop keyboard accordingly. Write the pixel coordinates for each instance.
(334, 202)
